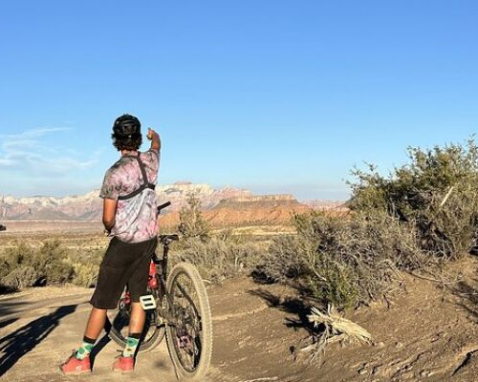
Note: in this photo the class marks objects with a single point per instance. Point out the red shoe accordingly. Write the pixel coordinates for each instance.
(75, 366)
(124, 364)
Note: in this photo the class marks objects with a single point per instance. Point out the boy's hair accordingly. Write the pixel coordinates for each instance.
(127, 133)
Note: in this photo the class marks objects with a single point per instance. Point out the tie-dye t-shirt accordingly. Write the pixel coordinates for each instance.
(136, 218)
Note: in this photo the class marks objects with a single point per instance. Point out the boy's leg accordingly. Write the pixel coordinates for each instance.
(126, 362)
(138, 317)
(137, 284)
(79, 362)
(113, 275)
(136, 324)
(96, 323)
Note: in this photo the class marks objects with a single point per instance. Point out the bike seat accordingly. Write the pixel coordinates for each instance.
(168, 239)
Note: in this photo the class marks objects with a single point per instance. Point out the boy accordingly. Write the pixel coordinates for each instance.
(130, 219)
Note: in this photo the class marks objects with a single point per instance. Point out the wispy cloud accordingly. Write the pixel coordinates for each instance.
(35, 133)
(26, 153)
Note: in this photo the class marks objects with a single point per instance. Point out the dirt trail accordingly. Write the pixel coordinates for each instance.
(429, 333)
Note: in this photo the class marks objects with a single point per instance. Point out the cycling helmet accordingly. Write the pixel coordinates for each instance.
(126, 126)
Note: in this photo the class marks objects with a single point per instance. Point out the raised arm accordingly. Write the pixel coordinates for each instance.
(155, 139)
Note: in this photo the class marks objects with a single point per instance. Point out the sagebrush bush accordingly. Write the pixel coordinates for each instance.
(51, 262)
(23, 276)
(18, 269)
(425, 212)
(85, 275)
(218, 259)
(281, 262)
(436, 193)
(344, 260)
(24, 266)
(12, 257)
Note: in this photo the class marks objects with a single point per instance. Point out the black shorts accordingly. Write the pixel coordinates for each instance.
(123, 263)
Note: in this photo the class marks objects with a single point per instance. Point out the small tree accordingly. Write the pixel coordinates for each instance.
(192, 223)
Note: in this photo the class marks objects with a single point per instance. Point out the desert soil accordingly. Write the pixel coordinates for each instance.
(427, 332)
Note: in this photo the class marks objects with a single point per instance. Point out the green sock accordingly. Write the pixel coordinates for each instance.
(132, 343)
(85, 348)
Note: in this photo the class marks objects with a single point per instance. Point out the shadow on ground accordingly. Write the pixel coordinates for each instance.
(293, 305)
(8, 307)
(468, 297)
(5, 323)
(16, 345)
(7, 310)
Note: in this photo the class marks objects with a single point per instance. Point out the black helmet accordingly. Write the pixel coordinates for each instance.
(126, 126)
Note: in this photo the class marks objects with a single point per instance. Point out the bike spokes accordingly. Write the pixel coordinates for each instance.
(187, 322)
(189, 332)
(122, 319)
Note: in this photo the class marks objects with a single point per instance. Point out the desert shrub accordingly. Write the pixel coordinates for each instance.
(85, 275)
(435, 193)
(216, 256)
(51, 262)
(13, 257)
(280, 262)
(192, 223)
(24, 266)
(218, 259)
(343, 260)
(16, 269)
(21, 277)
(424, 212)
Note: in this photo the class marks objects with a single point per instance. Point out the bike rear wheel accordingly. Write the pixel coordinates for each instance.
(153, 333)
(189, 333)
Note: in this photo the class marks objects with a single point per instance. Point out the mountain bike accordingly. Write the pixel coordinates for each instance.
(177, 307)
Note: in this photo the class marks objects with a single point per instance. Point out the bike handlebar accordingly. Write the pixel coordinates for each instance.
(163, 206)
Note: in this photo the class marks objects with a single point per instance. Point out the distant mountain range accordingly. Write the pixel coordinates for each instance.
(88, 207)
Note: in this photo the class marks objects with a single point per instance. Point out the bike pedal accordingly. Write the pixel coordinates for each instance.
(148, 302)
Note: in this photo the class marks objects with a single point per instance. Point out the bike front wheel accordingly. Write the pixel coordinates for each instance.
(189, 333)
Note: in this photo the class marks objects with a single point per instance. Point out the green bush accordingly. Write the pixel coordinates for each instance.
(51, 262)
(281, 262)
(17, 269)
(21, 277)
(85, 275)
(13, 257)
(424, 212)
(24, 266)
(343, 260)
(436, 194)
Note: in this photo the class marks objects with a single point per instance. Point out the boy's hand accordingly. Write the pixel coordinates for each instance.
(150, 134)
(153, 136)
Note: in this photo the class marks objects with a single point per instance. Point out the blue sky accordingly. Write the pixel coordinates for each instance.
(275, 96)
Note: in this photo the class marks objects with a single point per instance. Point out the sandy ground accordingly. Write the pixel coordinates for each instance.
(428, 333)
